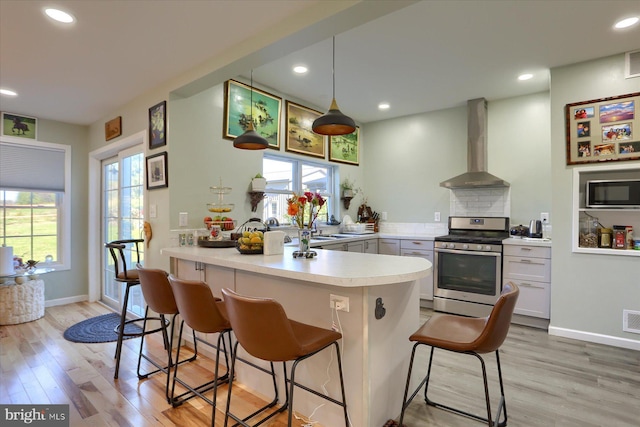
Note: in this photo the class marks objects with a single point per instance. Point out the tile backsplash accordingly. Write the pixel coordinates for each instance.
(490, 202)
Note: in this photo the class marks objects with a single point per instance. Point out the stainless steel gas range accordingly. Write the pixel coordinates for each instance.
(468, 265)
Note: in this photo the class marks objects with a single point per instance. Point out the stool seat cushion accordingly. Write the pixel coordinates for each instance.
(312, 338)
(130, 275)
(455, 333)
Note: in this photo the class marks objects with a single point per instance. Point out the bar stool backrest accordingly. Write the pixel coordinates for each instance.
(157, 290)
(498, 321)
(197, 306)
(116, 249)
(262, 327)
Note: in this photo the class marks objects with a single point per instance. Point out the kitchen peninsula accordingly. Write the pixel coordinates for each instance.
(383, 311)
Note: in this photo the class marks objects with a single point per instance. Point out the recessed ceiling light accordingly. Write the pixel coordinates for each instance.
(526, 76)
(8, 92)
(627, 22)
(383, 106)
(59, 15)
(300, 69)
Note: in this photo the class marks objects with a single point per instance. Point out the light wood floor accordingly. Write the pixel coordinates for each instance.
(549, 381)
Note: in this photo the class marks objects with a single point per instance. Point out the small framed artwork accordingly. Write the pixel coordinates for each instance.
(19, 126)
(238, 112)
(158, 125)
(345, 148)
(113, 128)
(602, 129)
(157, 172)
(301, 138)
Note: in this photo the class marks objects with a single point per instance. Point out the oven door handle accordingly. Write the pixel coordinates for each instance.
(460, 252)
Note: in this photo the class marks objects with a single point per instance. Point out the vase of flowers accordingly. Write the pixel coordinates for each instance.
(301, 207)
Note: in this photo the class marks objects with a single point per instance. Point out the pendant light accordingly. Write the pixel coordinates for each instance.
(250, 140)
(333, 122)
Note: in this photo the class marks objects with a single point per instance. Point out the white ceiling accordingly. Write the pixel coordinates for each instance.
(426, 56)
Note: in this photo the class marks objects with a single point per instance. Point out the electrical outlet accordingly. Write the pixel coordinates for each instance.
(544, 217)
(436, 217)
(339, 302)
(384, 216)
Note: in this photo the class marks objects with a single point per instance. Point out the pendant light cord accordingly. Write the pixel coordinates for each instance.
(333, 67)
(251, 100)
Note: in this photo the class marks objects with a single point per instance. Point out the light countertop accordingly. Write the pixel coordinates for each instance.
(338, 268)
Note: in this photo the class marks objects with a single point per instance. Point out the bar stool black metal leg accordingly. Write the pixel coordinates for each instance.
(123, 318)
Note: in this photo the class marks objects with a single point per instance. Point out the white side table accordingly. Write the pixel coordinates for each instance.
(22, 297)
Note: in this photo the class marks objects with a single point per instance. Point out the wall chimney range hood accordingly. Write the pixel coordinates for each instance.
(476, 175)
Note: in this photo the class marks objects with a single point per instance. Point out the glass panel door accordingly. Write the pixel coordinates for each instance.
(122, 218)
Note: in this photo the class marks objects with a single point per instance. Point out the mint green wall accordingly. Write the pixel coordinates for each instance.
(71, 283)
(520, 152)
(407, 158)
(588, 292)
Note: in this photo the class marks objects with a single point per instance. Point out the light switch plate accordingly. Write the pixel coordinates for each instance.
(436, 217)
(153, 211)
(183, 219)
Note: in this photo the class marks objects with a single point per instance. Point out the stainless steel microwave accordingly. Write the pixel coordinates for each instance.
(622, 193)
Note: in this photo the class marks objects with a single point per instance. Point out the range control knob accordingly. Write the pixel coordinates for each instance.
(452, 245)
(479, 247)
(487, 248)
(465, 246)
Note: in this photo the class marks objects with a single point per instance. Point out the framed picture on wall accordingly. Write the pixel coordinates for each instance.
(19, 126)
(345, 148)
(301, 138)
(265, 112)
(113, 128)
(603, 129)
(157, 172)
(158, 125)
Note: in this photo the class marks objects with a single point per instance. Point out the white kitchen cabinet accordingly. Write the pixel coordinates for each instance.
(371, 246)
(355, 246)
(190, 270)
(529, 267)
(368, 246)
(422, 249)
(389, 246)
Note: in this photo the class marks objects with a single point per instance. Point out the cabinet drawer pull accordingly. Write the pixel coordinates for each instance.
(525, 260)
(529, 285)
(525, 249)
(416, 243)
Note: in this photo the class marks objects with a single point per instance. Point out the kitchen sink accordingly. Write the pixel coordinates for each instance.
(323, 238)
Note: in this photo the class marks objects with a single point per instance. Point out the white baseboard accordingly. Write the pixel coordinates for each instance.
(64, 301)
(595, 338)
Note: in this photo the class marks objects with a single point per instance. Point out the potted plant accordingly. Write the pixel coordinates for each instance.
(348, 188)
(258, 183)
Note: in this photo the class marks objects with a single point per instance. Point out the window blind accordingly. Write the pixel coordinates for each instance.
(33, 168)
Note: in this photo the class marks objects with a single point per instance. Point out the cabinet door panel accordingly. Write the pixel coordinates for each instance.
(389, 246)
(371, 246)
(190, 270)
(533, 299)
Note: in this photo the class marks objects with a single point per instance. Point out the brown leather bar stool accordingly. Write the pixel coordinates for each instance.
(203, 313)
(468, 335)
(129, 278)
(262, 328)
(158, 295)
